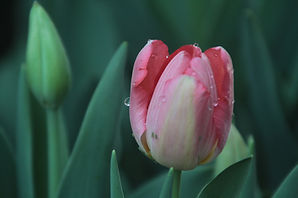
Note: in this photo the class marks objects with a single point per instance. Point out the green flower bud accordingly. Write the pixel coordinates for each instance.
(47, 66)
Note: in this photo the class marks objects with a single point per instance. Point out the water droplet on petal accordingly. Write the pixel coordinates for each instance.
(163, 99)
(126, 101)
(215, 104)
(209, 108)
(233, 101)
(215, 54)
(196, 45)
(167, 56)
(149, 41)
(211, 76)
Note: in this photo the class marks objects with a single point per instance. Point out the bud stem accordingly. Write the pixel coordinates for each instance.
(57, 150)
(176, 184)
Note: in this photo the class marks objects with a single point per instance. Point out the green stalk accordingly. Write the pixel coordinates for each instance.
(57, 150)
(176, 184)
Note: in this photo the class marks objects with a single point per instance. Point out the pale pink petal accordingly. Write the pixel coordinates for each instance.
(148, 67)
(175, 143)
(176, 67)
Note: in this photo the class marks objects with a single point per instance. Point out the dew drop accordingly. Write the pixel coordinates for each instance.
(233, 101)
(196, 45)
(163, 99)
(209, 108)
(215, 55)
(167, 56)
(215, 104)
(211, 76)
(149, 41)
(126, 101)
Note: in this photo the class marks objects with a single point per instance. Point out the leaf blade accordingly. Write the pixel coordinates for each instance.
(229, 182)
(7, 168)
(96, 136)
(288, 188)
(167, 185)
(24, 140)
(116, 187)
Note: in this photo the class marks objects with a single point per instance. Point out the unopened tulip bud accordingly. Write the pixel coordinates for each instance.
(181, 104)
(47, 66)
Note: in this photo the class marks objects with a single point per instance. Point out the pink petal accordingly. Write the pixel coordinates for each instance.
(148, 67)
(222, 68)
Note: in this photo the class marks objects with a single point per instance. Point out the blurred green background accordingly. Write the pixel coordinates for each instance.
(260, 35)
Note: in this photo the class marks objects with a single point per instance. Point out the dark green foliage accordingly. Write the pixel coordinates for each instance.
(7, 168)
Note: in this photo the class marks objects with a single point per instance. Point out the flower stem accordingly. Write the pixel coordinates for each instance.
(57, 150)
(176, 184)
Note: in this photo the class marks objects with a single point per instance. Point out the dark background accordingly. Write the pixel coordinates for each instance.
(261, 37)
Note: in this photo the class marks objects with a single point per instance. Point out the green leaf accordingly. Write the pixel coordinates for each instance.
(24, 140)
(288, 188)
(87, 168)
(167, 186)
(234, 151)
(7, 168)
(191, 183)
(229, 182)
(265, 107)
(251, 188)
(116, 187)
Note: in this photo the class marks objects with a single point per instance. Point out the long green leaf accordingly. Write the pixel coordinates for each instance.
(288, 188)
(24, 141)
(116, 188)
(270, 124)
(86, 173)
(251, 188)
(167, 185)
(229, 182)
(7, 168)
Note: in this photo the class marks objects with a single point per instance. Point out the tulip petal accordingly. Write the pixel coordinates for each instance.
(222, 68)
(160, 96)
(147, 70)
(175, 143)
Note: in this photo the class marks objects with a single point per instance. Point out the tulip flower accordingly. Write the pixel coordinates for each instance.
(181, 104)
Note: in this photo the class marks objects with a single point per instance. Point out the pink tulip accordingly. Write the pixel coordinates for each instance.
(181, 105)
